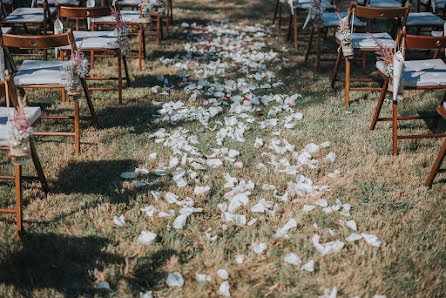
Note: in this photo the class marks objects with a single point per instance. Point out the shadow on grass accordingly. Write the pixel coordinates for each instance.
(92, 177)
(58, 262)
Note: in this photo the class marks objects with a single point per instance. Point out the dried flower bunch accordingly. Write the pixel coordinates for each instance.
(121, 30)
(344, 28)
(150, 5)
(385, 55)
(78, 67)
(19, 129)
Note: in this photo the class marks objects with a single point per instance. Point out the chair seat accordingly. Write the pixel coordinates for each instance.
(421, 73)
(384, 3)
(437, 33)
(35, 72)
(130, 2)
(8, 2)
(438, 3)
(424, 19)
(365, 40)
(305, 4)
(331, 19)
(61, 2)
(27, 15)
(128, 16)
(6, 30)
(95, 40)
(32, 113)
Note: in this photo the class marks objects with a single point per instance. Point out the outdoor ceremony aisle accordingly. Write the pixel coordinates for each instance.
(245, 208)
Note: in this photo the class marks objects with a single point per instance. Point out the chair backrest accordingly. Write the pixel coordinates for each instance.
(382, 12)
(38, 41)
(82, 12)
(419, 42)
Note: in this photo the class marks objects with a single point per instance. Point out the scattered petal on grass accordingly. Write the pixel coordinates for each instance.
(200, 190)
(128, 175)
(239, 259)
(224, 289)
(282, 232)
(309, 266)
(371, 239)
(351, 224)
(222, 273)
(353, 237)
(259, 248)
(331, 157)
(146, 237)
(103, 285)
(119, 221)
(293, 259)
(202, 277)
(174, 279)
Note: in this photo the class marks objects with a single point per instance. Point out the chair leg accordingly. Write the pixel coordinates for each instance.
(380, 103)
(77, 140)
(347, 82)
(158, 31)
(318, 63)
(335, 71)
(363, 63)
(64, 95)
(38, 166)
(119, 78)
(395, 127)
(90, 104)
(91, 59)
(295, 28)
(275, 10)
(127, 77)
(279, 27)
(290, 25)
(437, 165)
(141, 32)
(18, 198)
(307, 52)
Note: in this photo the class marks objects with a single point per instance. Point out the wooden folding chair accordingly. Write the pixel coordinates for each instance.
(303, 6)
(436, 167)
(419, 20)
(96, 41)
(329, 20)
(364, 42)
(33, 114)
(137, 23)
(417, 75)
(40, 16)
(38, 74)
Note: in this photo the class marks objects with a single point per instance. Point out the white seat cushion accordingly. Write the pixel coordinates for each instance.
(422, 73)
(8, 2)
(437, 33)
(27, 15)
(128, 16)
(384, 3)
(131, 2)
(438, 3)
(305, 4)
(331, 19)
(61, 2)
(423, 19)
(32, 113)
(35, 72)
(95, 40)
(365, 40)
(6, 30)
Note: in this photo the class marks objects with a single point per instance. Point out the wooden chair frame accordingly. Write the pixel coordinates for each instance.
(80, 13)
(43, 25)
(138, 29)
(439, 160)
(17, 177)
(411, 42)
(367, 13)
(294, 20)
(47, 42)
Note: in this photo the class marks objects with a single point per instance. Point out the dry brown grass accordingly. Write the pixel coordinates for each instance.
(71, 244)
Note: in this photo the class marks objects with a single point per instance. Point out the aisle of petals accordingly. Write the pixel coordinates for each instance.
(222, 72)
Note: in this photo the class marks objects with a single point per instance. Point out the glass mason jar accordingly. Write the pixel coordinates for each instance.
(74, 87)
(20, 151)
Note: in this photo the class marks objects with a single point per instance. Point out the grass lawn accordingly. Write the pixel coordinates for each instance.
(71, 243)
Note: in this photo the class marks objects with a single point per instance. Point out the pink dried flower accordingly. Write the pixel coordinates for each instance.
(20, 121)
(77, 57)
(316, 4)
(384, 54)
(343, 26)
(119, 24)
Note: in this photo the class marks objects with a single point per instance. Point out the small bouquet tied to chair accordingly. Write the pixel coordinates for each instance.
(393, 61)
(19, 132)
(122, 31)
(347, 33)
(78, 67)
(315, 12)
(148, 6)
